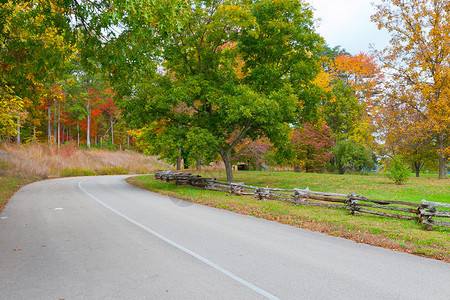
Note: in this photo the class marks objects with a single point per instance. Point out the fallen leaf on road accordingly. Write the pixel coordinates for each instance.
(44, 246)
(17, 249)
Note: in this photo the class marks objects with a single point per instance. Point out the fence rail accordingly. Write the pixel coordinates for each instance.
(424, 212)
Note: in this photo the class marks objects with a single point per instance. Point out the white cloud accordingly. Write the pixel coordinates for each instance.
(347, 23)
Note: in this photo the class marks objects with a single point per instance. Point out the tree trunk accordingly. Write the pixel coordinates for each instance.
(112, 132)
(199, 163)
(49, 125)
(59, 124)
(88, 127)
(34, 134)
(442, 159)
(18, 131)
(179, 159)
(225, 154)
(78, 133)
(417, 167)
(55, 122)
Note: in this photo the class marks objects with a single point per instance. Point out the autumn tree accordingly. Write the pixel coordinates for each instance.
(10, 107)
(348, 85)
(35, 41)
(418, 57)
(364, 77)
(253, 152)
(112, 113)
(362, 73)
(398, 128)
(311, 147)
(87, 94)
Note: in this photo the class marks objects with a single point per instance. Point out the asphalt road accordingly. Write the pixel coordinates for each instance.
(100, 238)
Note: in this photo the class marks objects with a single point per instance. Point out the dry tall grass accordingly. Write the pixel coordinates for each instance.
(43, 161)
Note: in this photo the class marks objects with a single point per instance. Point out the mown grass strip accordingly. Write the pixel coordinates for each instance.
(10, 185)
(399, 235)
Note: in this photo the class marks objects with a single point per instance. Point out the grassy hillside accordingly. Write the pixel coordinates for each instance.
(20, 165)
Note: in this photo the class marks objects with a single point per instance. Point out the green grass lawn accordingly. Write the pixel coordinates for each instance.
(373, 186)
(400, 235)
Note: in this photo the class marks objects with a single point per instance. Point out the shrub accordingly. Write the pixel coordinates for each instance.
(77, 172)
(349, 156)
(113, 171)
(399, 172)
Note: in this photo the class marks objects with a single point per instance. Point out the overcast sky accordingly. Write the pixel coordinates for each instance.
(347, 23)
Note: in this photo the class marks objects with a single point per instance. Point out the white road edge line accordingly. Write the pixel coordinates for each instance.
(185, 250)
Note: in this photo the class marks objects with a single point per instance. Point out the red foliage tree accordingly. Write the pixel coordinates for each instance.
(253, 152)
(311, 147)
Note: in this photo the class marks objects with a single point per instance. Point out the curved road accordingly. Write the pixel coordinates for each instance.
(100, 238)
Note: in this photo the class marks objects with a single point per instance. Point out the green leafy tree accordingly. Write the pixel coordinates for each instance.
(349, 155)
(232, 69)
(398, 170)
(342, 111)
(198, 147)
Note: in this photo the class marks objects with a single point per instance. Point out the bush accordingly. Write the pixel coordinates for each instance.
(77, 172)
(349, 156)
(399, 172)
(113, 171)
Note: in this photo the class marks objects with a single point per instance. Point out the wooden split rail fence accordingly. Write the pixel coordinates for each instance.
(427, 213)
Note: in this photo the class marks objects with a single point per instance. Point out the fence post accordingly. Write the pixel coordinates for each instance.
(210, 184)
(352, 205)
(236, 188)
(260, 193)
(299, 197)
(423, 218)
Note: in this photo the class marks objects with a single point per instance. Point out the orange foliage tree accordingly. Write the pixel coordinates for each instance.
(350, 84)
(361, 72)
(419, 58)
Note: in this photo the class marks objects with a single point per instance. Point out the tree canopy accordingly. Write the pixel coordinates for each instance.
(418, 59)
(228, 70)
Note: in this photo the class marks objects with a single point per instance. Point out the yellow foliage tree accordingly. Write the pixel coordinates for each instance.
(10, 106)
(419, 58)
(33, 50)
(349, 84)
